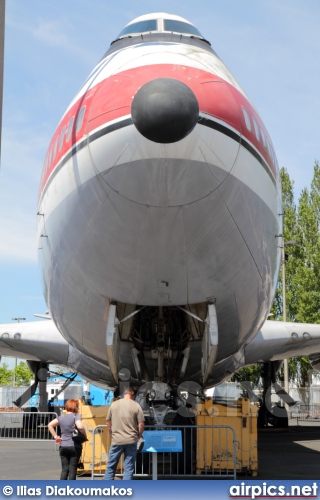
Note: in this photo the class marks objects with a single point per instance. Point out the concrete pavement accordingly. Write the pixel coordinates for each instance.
(292, 453)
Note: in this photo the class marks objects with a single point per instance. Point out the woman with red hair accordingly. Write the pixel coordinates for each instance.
(70, 451)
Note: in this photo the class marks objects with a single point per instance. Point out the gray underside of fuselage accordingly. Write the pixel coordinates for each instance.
(210, 248)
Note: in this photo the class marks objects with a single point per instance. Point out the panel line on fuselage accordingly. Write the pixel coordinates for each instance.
(81, 144)
(207, 122)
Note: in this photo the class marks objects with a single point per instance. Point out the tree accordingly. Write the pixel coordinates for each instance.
(22, 374)
(289, 232)
(306, 280)
(300, 371)
(308, 269)
(6, 375)
(301, 224)
(60, 370)
(250, 373)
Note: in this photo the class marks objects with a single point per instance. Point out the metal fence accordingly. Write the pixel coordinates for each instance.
(305, 413)
(10, 394)
(209, 451)
(25, 425)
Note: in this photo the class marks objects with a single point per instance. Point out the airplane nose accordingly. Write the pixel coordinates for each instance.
(165, 110)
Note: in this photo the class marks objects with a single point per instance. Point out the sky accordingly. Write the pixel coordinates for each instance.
(272, 47)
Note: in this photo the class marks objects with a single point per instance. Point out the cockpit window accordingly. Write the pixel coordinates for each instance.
(140, 27)
(180, 27)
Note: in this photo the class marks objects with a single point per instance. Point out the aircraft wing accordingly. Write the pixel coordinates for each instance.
(279, 340)
(34, 341)
(42, 341)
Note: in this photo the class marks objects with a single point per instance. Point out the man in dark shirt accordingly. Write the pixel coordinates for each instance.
(125, 422)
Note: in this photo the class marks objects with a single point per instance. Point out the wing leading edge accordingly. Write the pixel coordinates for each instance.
(42, 341)
(279, 340)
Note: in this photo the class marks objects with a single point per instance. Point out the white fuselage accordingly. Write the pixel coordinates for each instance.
(124, 219)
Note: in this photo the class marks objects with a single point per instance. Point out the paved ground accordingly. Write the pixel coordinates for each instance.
(289, 454)
(29, 460)
(282, 454)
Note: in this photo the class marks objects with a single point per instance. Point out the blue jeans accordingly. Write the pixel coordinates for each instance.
(115, 452)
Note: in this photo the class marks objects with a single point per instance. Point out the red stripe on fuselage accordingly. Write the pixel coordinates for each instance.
(111, 99)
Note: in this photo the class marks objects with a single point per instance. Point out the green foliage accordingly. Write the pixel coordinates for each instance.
(301, 223)
(290, 234)
(22, 374)
(250, 373)
(6, 375)
(60, 370)
(299, 369)
(302, 271)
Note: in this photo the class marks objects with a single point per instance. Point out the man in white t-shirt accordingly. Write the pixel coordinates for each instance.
(125, 422)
